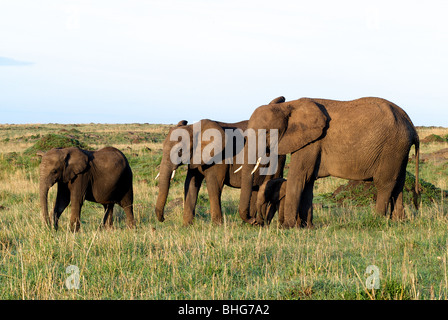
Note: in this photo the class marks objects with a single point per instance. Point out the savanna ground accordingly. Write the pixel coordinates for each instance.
(233, 261)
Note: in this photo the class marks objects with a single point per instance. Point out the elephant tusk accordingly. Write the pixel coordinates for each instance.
(157, 176)
(172, 175)
(256, 166)
(241, 167)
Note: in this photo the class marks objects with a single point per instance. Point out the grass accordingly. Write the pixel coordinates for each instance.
(203, 261)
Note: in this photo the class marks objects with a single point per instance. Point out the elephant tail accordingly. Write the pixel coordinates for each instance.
(416, 192)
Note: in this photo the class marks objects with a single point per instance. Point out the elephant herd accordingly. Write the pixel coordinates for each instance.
(366, 139)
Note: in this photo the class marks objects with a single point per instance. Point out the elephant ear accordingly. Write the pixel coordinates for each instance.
(280, 99)
(40, 153)
(305, 124)
(76, 162)
(212, 142)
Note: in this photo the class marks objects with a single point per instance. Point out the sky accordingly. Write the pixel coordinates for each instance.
(97, 61)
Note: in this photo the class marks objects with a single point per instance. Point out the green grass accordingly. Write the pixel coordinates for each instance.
(233, 261)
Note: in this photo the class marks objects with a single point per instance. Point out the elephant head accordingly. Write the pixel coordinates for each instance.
(269, 198)
(298, 122)
(187, 144)
(62, 166)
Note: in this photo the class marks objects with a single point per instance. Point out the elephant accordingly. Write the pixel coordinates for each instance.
(102, 176)
(271, 198)
(366, 139)
(215, 174)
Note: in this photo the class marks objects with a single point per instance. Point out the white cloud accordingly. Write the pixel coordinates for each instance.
(12, 62)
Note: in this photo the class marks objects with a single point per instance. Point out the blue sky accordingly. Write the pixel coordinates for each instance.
(81, 61)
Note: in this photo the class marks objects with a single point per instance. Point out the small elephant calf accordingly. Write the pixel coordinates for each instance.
(270, 198)
(102, 176)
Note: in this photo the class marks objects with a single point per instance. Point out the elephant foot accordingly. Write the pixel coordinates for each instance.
(130, 223)
(107, 227)
(55, 224)
(307, 225)
(217, 222)
(304, 224)
(398, 216)
(288, 224)
(55, 221)
(251, 221)
(74, 228)
(75, 225)
(159, 215)
(187, 223)
(187, 218)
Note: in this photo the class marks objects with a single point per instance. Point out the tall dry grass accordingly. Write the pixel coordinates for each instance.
(203, 261)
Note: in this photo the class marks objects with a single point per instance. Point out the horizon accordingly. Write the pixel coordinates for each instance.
(159, 62)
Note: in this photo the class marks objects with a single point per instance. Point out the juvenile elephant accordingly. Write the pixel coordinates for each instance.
(215, 174)
(363, 139)
(102, 176)
(271, 198)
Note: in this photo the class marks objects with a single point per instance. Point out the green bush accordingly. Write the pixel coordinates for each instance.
(361, 193)
(50, 141)
(434, 138)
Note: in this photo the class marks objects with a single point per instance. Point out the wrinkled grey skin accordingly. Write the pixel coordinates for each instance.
(270, 199)
(102, 176)
(216, 175)
(363, 139)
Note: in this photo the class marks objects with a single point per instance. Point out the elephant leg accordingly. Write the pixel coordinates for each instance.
(261, 214)
(306, 205)
(214, 193)
(191, 190)
(389, 181)
(108, 215)
(75, 214)
(62, 201)
(397, 208)
(384, 195)
(292, 201)
(301, 173)
(386, 183)
(127, 203)
(281, 211)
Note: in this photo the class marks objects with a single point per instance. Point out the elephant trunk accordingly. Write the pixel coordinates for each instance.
(44, 187)
(261, 205)
(246, 192)
(164, 186)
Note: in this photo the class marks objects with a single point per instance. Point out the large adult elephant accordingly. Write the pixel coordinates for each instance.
(363, 139)
(215, 174)
(102, 176)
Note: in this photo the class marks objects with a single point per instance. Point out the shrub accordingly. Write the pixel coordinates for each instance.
(361, 193)
(50, 141)
(434, 138)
